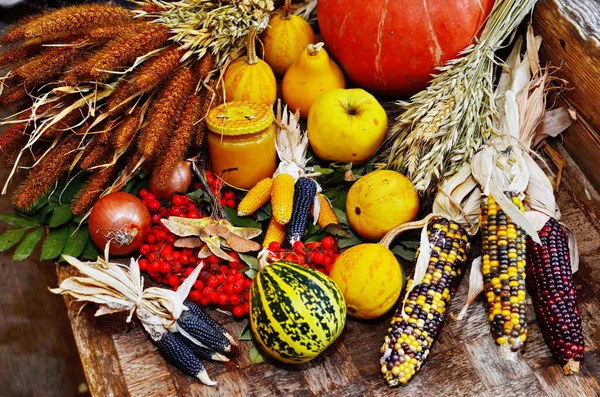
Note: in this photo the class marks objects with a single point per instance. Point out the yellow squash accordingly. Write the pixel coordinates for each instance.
(285, 39)
(250, 78)
(370, 278)
(313, 74)
(380, 201)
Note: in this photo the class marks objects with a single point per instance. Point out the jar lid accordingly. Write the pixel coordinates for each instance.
(239, 118)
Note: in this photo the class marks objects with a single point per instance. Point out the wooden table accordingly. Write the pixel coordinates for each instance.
(119, 360)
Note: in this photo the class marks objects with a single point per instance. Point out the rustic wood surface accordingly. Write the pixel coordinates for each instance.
(119, 360)
(571, 41)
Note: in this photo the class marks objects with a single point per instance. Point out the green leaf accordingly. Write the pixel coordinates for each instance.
(10, 237)
(252, 263)
(18, 220)
(322, 171)
(240, 222)
(257, 355)
(341, 215)
(337, 230)
(246, 334)
(90, 252)
(406, 250)
(76, 242)
(198, 196)
(60, 216)
(129, 186)
(65, 194)
(43, 212)
(54, 243)
(264, 213)
(28, 244)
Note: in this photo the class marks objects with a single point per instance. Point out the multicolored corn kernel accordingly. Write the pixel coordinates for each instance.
(412, 333)
(552, 290)
(503, 253)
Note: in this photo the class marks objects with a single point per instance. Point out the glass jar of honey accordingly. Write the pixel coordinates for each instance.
(241, 142)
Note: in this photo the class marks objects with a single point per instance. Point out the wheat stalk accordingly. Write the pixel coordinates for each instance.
(443, 126)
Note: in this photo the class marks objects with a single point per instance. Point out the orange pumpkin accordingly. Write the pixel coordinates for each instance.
(250, 78)
(285, 39)
(393, 47)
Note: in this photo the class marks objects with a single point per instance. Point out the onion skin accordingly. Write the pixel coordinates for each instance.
(122, 219)
(180, 182)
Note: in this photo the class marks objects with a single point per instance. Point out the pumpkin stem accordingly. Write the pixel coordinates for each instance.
(313, 49)
(251, 47)
(392, 234)
(286, 10)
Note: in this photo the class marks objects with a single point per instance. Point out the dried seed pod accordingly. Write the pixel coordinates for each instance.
(66, 22)
(96, 184)
(118, 54)
(164, 111)
(42, 178)
(179, 142)
(148, 76)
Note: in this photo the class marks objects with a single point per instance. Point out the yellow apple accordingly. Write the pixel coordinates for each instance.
(346, 125)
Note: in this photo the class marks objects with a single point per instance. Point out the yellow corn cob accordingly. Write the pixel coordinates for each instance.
(258, 196)
(326, 214)
(503, 252)
(412, 333)
(282, 198)
(275, 232)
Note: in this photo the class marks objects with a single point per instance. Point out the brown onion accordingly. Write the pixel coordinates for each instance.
(179, 182)
(122, 219)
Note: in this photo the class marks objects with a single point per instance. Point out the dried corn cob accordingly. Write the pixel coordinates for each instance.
(42, 178)
(176, 351)
(305, 190)
(326, 214)
(503, 268)
(258, 196)
(118, 53)
(66, 22)
(179, 142)
(96, 184)
(148, 76)
(413, 332)
(550, 285)
(282, 198)
(275, 232)
(164, 111)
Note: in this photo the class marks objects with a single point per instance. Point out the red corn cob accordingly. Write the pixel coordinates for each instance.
(550, 285)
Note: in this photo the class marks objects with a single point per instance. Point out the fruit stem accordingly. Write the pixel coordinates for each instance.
(393, 233)
(251, 58)
(286, 10)
(313, 49)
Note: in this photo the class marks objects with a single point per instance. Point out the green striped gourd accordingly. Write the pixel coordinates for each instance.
(295, 312)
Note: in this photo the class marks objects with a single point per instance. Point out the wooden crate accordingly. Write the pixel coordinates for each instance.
(119, 360)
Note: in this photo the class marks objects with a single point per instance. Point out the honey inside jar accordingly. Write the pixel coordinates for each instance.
(241, 142)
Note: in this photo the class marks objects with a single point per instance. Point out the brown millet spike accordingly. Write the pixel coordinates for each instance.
(12, 141)
(148, 76)
(164, 111)
(180, 140)
(96, 154)
(67, 123)
(119, 53)
(210, 99)
(17, 54)
(96, 184)
(126, 131)
(204, 66)
(13, 95)
(42, 178)
(104, 34)
(67, 22)
(46, 66)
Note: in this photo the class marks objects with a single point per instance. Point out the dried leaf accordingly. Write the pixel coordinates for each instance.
(213, 243)
(188, 242)
(234, 241)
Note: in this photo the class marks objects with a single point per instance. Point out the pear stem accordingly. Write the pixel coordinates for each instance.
(251, 58)
(313, 49)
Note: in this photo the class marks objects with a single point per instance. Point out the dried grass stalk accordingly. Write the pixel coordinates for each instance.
(71, 121)
(164, 111)
(118, 54)
(12, 141)
(148, 76)
(66, 22)
(96, 184)
(443, 126)
(179, 142)
(42, 178)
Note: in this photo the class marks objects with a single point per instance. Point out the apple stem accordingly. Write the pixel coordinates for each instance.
(251, 57)
(313, 49)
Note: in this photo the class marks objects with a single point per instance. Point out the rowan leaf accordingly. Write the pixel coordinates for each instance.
(10, 237)
(54, 243)
(76, 242)
(90, 252)
(246, 334)
(257, 355)
(60, 216)
(18, 220)
(28, 244)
